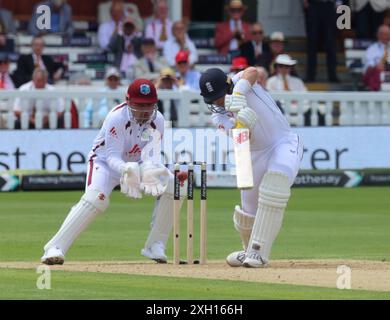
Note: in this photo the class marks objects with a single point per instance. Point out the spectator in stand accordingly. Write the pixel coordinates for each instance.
(129, 10)
(168, 81)
(61, 19)
(255, 48)
(6, 44)
(126, 46)
(150, 64)
(113, 84)
(6, 82)
(229, 35)
(179, 42)
(238, 64)
(276, 45)
(32, 106)
(369, 16)
(377, 59)
(7, 27)
(36, 60)
(187, 79)
(113, 26)
(321, 20)
(160, 28)
(284, 81)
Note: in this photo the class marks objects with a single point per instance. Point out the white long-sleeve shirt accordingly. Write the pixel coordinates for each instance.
(130, 10)
(21, 104)
(276, 83)
(122, 140)
(172, 47)
(106, 31)
(154, 28)
(374, 55)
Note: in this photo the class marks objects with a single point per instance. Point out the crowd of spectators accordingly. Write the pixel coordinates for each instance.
(162, 50)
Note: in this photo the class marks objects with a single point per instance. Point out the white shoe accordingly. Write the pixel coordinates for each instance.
(52, 256)
(236, 259)
(253, 259)
(155, 252)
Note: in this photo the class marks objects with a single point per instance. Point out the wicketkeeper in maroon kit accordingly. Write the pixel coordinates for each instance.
(118, 158)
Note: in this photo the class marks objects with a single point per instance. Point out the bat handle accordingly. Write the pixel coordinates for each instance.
(239, 125)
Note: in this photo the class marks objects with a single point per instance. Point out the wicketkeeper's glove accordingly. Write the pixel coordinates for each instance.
(154, 178)
(130, 180)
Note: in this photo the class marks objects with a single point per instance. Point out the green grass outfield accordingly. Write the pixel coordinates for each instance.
(320, 223)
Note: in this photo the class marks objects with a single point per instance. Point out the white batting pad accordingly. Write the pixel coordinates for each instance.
(162, 219)
(243, 222)
(274, 192)
(81, 215)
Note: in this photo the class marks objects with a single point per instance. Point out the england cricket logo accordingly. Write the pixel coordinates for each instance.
(209, 87)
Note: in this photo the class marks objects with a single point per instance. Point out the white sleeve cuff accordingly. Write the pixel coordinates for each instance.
(242, 87)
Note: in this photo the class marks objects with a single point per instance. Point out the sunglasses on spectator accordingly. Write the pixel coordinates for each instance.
(257, 32)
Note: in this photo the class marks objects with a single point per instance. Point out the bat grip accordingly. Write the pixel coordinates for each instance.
(239, 125)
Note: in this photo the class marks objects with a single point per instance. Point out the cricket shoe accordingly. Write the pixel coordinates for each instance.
(52, 256)
(155, 252)
(253, 259)
(236, 259)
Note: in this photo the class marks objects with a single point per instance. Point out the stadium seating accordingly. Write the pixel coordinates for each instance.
(81, 54)
(354, 52)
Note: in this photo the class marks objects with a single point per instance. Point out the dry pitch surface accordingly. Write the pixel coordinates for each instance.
(365, 275)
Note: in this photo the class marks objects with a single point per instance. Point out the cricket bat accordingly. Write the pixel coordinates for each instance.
(242, 155)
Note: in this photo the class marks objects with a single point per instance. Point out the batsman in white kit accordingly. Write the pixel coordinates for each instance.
(118, 157)
(275, 153)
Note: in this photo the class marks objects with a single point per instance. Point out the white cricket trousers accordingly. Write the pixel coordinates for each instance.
(101, 177)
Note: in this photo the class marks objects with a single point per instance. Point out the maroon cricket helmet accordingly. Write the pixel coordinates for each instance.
(142, 91)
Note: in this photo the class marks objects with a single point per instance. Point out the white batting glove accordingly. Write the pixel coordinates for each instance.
(130, 180)
(246, 118)
(235, 102)
(154, 179)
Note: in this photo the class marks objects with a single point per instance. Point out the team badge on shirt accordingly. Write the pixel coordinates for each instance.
(145, 136)
(144, 89)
